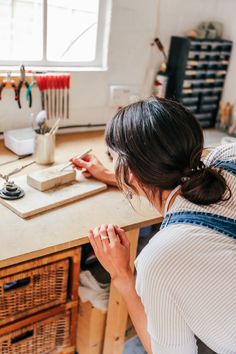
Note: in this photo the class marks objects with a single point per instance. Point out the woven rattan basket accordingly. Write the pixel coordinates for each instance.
(45, 336)
(30, 291)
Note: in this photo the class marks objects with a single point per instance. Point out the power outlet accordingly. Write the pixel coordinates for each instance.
(123, 95)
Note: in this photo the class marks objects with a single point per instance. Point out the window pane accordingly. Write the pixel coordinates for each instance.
(21, 30)
(72, 30)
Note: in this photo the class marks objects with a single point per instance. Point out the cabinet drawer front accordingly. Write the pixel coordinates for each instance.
(28, 292)
(45, 336)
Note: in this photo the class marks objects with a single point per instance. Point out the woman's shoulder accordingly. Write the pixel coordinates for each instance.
(166, 244)
(225, 152)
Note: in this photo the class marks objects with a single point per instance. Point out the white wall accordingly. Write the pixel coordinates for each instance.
(131, 60)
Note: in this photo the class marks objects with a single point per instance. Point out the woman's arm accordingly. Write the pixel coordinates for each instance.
(91, 166)
(112, 249)
(126, 288)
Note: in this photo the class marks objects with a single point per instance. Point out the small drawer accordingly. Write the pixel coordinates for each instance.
(49, 335)
(192, 109)
(207, 107)
(189, 100)
(30, 291)
(209, 99)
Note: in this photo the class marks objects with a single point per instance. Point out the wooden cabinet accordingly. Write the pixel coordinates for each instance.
(39, 304)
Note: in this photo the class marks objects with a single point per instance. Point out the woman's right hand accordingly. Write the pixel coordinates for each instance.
(92, 167)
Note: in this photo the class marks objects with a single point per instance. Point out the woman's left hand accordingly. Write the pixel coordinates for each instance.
(112, 248)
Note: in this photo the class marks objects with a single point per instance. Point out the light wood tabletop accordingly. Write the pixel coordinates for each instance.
(66, 227)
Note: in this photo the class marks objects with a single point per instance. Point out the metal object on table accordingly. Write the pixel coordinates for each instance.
(10, 190)
(80, 156)
(14, 160)
(45, 148)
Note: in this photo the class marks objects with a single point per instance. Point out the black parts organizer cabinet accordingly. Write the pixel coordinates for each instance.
(197, 71)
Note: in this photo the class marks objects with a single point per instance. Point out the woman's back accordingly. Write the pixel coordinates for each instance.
(186, 277)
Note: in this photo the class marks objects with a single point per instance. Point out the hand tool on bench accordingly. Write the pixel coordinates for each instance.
(80, 156)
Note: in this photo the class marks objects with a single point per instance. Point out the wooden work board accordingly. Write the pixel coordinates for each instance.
(35, 201)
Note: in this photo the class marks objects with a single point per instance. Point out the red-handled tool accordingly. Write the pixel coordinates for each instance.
(67, 95)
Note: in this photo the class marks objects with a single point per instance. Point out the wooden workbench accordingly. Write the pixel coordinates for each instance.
(67, 227)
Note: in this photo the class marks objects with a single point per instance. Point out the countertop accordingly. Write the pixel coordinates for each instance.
(66, 227)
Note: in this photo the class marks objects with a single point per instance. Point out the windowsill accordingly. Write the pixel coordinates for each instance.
(12, 68)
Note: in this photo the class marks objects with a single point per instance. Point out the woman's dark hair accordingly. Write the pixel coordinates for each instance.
(161, 143)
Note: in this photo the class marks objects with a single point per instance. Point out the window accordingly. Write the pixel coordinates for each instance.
(52, 32)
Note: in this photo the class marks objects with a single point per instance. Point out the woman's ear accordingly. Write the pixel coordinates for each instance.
(132, 178)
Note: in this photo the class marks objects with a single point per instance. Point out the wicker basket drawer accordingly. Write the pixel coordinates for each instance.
(33, 290)
(46, 336)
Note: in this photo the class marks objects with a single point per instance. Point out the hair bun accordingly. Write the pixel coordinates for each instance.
(205, 186)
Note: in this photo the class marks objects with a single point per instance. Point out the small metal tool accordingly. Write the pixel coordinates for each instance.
(80, 156)
(14, 160)
(10, 190)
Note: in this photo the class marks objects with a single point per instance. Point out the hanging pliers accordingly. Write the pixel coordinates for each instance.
(21, 83)
(2, 85)
(10, 82)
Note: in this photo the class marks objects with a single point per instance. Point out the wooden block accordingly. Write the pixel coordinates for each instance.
(50, 178)
(91, 329)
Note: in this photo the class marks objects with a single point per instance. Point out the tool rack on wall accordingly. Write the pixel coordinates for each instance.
(53, 86)
(197, 70)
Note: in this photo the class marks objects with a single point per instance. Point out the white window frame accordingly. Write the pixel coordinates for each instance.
(100, 60)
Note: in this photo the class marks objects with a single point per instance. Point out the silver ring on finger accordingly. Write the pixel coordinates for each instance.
(104, 237)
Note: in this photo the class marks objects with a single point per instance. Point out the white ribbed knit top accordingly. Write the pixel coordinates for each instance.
(186, 278)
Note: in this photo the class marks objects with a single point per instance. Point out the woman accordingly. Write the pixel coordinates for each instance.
(186, 275)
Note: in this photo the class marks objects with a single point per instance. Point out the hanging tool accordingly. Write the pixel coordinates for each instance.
(29, 89)
(54, 87)
(45, 83)
(21, 83)
(40, 83)
(10, 82)
(13, 85)
(67, 95)
(2, 86)
(60, 86)
(56, 95)
(63, 94)
(160, 46)
(50, 90)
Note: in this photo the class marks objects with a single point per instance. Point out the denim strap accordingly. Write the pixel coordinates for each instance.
(228, 166)
(222, 224)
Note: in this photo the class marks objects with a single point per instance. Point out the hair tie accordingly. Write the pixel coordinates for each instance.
(200, 167)
(184, 179)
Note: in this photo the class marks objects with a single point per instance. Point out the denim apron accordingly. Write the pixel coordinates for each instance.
(221, 224)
